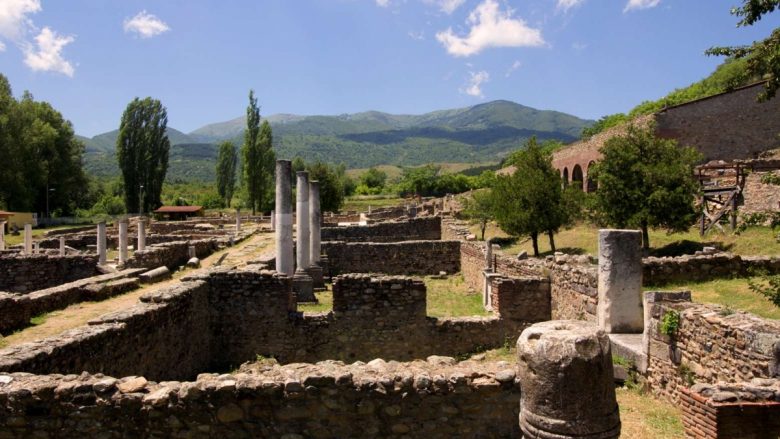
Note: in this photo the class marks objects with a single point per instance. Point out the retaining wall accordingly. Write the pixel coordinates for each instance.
(412, 230)
(408, 257)
(25, 273)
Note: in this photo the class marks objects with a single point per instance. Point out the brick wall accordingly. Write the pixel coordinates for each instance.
(408, 257)
(25, 273)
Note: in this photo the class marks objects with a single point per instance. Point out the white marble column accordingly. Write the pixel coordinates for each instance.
(62, 246)
(620, 281)
(122, 241)
(283, 228)
(141, 235)
(315, 235)
(238, 221)
(273, 220)
(28, 239)
(101, 243)
(302, 282)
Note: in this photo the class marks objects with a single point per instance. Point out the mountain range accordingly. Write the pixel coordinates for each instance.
(476, 134)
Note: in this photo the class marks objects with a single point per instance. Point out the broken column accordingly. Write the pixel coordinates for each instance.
(2, 235)
(302, 282)
(62, 246)
(568, 391)
(141, 235)
(283, 228)
(122, 241)
(238, 221)
(101, 243)
(28, 239)
(315, 237)
(620, 281)
(273, 220)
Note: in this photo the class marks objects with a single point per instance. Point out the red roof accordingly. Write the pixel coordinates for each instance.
(178, 209)
(4, 213)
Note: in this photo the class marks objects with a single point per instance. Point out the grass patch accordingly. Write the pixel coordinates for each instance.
(583, 238)
(325, 303)
(36, 233)
(360, 203)
(730, 293)
(39, 319)
(644, 417)
(450, 297)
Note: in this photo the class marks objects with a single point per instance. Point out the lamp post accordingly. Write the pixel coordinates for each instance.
(47, 199)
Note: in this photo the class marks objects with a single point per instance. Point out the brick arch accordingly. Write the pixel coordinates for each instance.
(578, 177)
(590, 184)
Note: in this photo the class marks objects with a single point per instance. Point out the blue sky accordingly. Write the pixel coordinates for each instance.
(89, 58)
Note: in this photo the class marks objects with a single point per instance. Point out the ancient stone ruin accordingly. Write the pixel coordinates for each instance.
(224, 350)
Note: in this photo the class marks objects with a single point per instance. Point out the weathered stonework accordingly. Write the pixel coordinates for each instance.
(408, 257)
(26, 273)
(415, 229)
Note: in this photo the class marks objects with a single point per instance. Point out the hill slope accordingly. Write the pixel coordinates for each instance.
(481, 133)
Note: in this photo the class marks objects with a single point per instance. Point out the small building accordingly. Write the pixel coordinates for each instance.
(178, 213)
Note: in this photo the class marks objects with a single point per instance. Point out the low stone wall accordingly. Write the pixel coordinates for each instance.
(732, 411)
(165, 336)
(25, 273)
(472, 264)
(176, 253)
(573, 290)
(16, 310)
(412, 230)
(408, 257)
(434, 399)
(697, 268)
(525, 299)
(710, 345)
(382, 301)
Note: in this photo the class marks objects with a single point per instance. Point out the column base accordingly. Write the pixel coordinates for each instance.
(315, 271)
(303, 287)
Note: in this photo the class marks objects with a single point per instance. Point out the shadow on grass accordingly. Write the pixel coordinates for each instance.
(687, 247)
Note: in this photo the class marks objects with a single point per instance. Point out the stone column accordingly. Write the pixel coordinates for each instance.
(28, 239)
(620, 281)
(2, 235)
(568, 390)
(315, 235)
(283, 228)
(273, 220)
(122, 241)
(302, 282)
(141, 235)
(62, 246)
(238, 221)
(101, 243)
(488, 256)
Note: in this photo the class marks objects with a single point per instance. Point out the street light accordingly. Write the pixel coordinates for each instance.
(47, 199)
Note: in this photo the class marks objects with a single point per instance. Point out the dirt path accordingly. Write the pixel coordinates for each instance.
(79, 314)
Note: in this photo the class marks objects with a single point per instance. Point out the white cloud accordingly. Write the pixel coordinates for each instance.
(383, 3)
(578, 46)
(47, 55)
(515, 65)
(416, 35)
(14, 23)
(565, 5)
(446, 6)
(2, 47)
(474, 86)
(146, 25)
(641, 4)
(490, 27)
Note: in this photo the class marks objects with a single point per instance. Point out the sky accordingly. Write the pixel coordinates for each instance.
(89, 58)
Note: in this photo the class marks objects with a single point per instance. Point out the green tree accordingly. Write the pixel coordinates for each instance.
(258, 157)
(478, 209)
(374, 178)
(226, 171)
(763, 57)
(142, 150)
(418, 181)
(645, 181)
(531, 200)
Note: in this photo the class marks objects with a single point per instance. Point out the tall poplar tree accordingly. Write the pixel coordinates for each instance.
(257, 157)
(226, 171)
(142, 151)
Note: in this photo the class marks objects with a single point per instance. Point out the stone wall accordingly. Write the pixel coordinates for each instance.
(415, 229)
(759, 197)
(573, 289)
(711, 345)
(16, 310)
(165, 336)
(732, 411)
(408, 257)
(472, 264)
(174, 254)
(25, 273)
(525, 299)
(698, 268)
(433, 399)
(381, 301)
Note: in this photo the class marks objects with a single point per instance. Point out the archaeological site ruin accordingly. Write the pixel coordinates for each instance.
(221, 348)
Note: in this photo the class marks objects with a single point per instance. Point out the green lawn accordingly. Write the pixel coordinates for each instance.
(360, 203)
(583, 238)
(447, 297)
(730, 293)
(36, 233)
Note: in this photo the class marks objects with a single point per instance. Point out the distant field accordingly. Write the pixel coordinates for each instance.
(393, 172)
